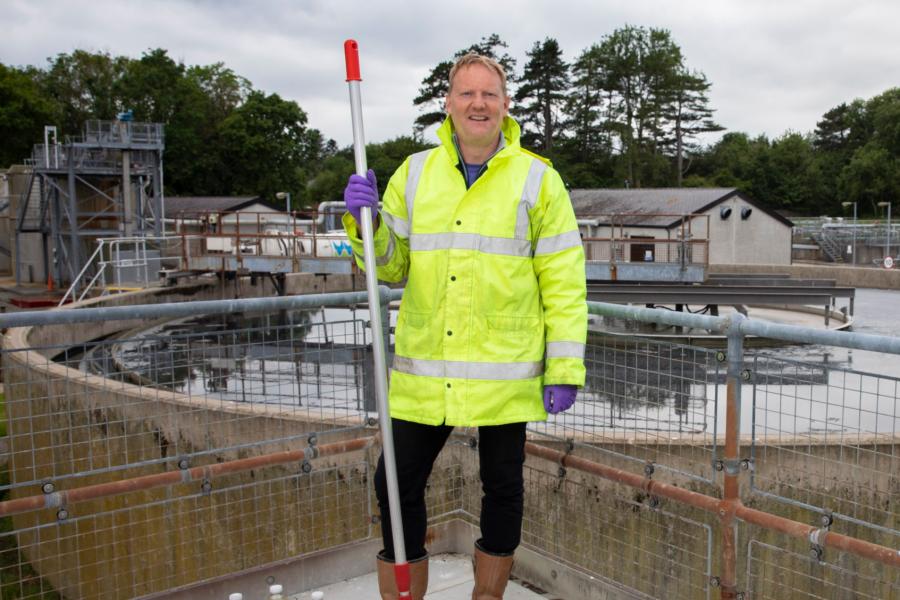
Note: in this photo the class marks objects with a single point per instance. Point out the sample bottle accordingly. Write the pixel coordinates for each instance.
(236, 596)
(275, 592)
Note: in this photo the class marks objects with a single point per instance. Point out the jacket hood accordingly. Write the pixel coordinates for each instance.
(509, 128)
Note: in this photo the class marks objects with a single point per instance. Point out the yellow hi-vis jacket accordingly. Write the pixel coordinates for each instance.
(494, 306)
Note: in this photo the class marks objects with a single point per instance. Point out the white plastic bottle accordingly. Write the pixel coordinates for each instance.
(236, 596)
(275, 592)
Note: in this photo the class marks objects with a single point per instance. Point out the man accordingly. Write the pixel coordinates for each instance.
(493, 321)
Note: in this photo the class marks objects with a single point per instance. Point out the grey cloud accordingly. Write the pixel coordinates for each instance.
(774, 65)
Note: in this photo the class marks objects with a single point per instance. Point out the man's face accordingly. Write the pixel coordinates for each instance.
(476, 104)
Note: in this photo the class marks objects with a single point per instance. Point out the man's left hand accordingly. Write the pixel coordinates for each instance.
(558, 398)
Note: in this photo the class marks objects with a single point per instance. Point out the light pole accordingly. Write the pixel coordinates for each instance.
(287, 197)
(845, 205)
(887, 243)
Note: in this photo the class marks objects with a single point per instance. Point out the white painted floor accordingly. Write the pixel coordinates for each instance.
(449, 578)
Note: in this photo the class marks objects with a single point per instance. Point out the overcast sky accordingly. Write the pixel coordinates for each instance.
(774, 64)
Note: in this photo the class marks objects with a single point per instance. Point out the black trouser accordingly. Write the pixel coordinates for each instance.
(501, 451)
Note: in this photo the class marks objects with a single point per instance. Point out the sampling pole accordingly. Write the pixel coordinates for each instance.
(401, 567)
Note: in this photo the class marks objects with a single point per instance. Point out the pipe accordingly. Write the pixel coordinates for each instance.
(721, 508)
(175, 310)
(147, 482)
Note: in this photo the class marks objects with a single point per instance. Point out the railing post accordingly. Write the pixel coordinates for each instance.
(731, 497)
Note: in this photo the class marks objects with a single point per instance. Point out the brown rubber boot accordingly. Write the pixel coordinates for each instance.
(491, 574)
(387, 582)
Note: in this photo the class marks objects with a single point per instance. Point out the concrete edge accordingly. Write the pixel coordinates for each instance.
(539, 572)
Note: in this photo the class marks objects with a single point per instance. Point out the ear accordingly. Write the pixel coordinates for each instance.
(506, 106)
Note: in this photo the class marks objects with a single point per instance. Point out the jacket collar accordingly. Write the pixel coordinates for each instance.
(509, 129)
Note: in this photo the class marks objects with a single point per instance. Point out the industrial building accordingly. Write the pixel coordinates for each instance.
(647, 224)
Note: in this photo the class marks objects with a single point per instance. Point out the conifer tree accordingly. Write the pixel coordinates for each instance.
(542, 94)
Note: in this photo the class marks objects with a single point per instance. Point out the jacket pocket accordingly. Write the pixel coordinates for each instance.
(415, 319)
(414, 337)
(524, 325)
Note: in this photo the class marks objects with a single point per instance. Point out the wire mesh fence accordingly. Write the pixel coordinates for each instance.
(95, 428)
(168, 538)
(647, 403)
(775, 572)
(281, 375)
(826, 439)
(202, 398)
(613, 536)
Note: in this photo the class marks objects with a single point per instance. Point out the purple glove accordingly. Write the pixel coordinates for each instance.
(558, 398)
(361, 191)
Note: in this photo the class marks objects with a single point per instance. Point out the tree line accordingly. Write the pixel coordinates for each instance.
(626, 111)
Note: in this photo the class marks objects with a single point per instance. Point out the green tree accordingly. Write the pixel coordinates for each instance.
(585, 104)
(730, 161)
(84, 85)
(639, 68)
(689, 112)
(794, 181)
(871, 176)
(433, 90)
(268, 147)
(542, 94)
(384, 158)
(24, 110)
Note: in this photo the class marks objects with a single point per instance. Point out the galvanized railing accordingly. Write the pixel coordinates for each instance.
(156, 446)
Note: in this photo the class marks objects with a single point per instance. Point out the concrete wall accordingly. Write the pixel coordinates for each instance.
(760, 239)
(63, 422)
(845, 276)
(31, 246)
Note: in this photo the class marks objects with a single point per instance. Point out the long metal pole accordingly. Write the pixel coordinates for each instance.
(855, 224)
(401, 567)
(887, 250)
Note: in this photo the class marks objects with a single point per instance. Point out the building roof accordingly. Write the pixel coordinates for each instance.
(640, 205)
(192, 205)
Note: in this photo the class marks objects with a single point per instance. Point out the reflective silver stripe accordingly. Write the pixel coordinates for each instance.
(396, 224)
(416, 164)
(380, 261)
(467, 370)
(556, 243)
(530, 194)
(565, 350)
(469, 241)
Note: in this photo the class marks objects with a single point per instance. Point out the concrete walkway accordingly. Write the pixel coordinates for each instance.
(449, 578)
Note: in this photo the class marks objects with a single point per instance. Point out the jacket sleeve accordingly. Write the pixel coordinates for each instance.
(559, 267)
(392, 236)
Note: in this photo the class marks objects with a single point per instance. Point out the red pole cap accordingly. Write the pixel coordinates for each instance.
(351, 57)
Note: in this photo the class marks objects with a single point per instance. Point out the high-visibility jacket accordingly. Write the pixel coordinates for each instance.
(494, 306)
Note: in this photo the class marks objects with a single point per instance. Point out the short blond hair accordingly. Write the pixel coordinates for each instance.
(473, 58)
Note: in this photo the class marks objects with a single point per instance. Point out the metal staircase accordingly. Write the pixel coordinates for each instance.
(831, 247)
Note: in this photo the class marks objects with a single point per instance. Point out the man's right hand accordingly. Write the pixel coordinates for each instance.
(360, 192)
